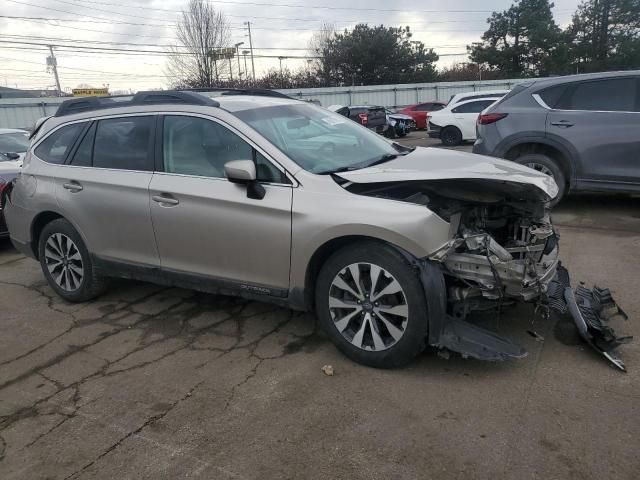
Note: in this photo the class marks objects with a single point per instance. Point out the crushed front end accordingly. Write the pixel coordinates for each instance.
(502, 249)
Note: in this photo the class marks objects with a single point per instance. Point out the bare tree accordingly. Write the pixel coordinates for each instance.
(317, 46)
(193, 61)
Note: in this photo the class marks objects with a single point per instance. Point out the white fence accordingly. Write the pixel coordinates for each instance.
(23, 112)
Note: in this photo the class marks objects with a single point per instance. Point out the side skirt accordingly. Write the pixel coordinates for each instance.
(201, 283)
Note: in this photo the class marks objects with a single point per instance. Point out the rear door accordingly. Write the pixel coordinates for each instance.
(600, 120)
(466, 115)
(103, 188)
(377, 117)
(207, 226)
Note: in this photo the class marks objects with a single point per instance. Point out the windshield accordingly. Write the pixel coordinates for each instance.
(318, 140)
(14, 142)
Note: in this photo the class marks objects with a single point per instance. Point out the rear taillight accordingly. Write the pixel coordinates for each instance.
(3, 191)
(364, 118)
(490, 118)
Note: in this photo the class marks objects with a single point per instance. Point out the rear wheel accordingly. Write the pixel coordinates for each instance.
(66, 263)
(451, 136)
(548, 166)
(370, 302)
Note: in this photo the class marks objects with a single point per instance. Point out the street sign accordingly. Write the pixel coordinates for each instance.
(90, 92)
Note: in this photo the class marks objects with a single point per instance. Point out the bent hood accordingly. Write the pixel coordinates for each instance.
(424, 164)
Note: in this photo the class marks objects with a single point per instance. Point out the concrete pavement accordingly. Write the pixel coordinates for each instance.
(153, 383)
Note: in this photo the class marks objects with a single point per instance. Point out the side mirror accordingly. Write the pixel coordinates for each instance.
(240, 171)
(12, 155)
(244, 172)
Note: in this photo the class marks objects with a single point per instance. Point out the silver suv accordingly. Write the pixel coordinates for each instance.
(279, 200)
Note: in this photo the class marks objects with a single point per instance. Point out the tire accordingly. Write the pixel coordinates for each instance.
(66, 263)
(549, 166)
(451, 136)
(399, 338)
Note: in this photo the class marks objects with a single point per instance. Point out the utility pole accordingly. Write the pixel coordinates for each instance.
(238, 55)
(253, 66)
(246, 71)
(230, 68)
(53, 63)
(281, 77)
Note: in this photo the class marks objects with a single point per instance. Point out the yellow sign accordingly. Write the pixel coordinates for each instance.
(90, 92)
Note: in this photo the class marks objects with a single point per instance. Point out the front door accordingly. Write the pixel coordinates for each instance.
(600, 120)
(206, 225)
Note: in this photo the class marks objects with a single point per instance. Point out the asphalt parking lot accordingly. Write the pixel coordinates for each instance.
(148, 382)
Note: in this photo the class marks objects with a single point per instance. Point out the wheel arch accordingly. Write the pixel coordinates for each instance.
(42, 220)
(512, 149)
(303, 298)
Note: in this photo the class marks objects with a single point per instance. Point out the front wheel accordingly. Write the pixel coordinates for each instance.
(370, 302)
(66, 263)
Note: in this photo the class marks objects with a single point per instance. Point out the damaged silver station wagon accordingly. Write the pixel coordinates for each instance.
(254, 194)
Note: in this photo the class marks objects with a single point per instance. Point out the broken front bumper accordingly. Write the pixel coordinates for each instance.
(590, 310)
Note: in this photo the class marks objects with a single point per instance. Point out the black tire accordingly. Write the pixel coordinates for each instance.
(402, 135)
(451, 136)
(545, 164)
(412, 341)
(390, 132)
(91, 284)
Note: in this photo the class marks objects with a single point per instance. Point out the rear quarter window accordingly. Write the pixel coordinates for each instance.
(56, 147)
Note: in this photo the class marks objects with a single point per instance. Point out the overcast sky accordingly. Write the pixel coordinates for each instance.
(447, 26)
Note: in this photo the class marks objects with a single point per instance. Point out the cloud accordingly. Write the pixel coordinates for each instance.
(447, 27)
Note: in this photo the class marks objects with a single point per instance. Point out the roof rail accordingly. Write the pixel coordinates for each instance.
(260, 92)
(86, 104)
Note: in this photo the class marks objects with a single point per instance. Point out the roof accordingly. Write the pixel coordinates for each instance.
(12, 130)
(583, 76)
(237, 103)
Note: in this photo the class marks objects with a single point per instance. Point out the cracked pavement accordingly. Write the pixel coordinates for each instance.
(148, 382)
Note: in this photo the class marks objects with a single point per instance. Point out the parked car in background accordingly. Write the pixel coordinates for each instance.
(419, 111)
(582, 130)
(370, 116)
(13, 144)
(457, 122)
(399, 125)
(9, 169)
(463, 97)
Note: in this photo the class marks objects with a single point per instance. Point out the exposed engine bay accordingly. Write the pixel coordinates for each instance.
(502, 249)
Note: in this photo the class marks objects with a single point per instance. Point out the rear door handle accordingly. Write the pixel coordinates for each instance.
(72, 186)
(562, 123)
(163, 199)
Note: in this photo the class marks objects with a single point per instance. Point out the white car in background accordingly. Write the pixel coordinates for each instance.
(463, 97)
(456, 123)
(13, 146)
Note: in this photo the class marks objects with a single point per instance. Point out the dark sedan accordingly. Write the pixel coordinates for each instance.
(8, 171)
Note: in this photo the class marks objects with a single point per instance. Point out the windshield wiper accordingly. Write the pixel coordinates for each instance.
(382, 159)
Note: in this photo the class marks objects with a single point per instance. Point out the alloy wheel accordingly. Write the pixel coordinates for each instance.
(539, 168)
(368, 306)
(64, 262)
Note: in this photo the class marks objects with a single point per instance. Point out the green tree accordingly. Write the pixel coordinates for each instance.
(373, 56)
(605, 35)
(522, 41)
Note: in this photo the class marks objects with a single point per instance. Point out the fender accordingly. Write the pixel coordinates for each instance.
(553, 141)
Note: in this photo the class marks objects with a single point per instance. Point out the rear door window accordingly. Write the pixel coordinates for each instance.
(551, 96)
(610, 95)
(56, 147)
(84, 152)
(473, 107)
(124, 143)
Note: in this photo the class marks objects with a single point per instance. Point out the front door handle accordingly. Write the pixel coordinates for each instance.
(562, 123)
(72, 186)
(163, 199)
